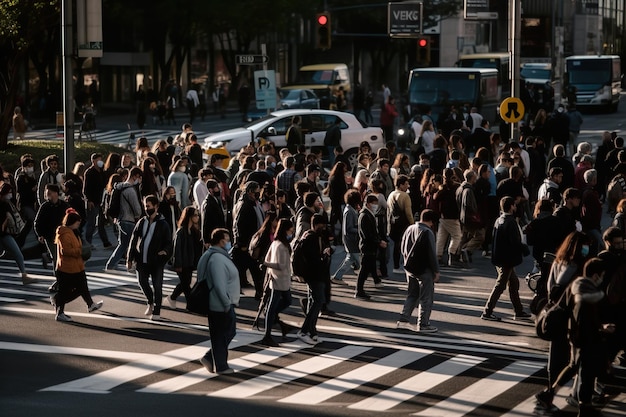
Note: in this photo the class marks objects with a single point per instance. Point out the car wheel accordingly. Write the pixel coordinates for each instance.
(351, 156)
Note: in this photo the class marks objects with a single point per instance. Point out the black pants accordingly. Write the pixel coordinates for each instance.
(368, 267)
(184, 286)
(71, 286)
(244, 262)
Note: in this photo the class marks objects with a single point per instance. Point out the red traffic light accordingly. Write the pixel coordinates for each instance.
(322, 19)
(422, 43)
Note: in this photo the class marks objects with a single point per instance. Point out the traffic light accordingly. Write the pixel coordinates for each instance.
(322, 31)
(423, 50)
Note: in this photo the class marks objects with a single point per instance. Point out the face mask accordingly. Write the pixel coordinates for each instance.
(273, 164)
(228, 246)
(584, 250)
(182, 169)
(153, 168)
(150, 212)
(100, 164)
(289, 237)
(137, 182)
(374, 207)
(29, 170)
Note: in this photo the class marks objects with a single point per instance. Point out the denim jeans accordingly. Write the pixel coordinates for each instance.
(317, 298)
(346, 264)
(222, 328)
(125, 233)
(506, 277)
(9, 244)
(144, 273)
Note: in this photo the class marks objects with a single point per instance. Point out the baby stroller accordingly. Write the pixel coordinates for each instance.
(537, 281)
(88, 126)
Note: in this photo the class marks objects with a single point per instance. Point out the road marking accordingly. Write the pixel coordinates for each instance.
(292, 372)
(482, 390)
(103, 382)
(65, 350)
(417, 384)
(355, 378)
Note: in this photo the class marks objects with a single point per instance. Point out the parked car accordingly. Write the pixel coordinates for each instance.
(315, 123)
(299, 99)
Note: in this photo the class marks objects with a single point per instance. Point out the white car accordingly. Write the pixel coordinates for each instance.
(315, 123)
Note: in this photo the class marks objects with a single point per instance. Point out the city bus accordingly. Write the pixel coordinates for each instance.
(500, 61)
(438, 89)
(595, 79)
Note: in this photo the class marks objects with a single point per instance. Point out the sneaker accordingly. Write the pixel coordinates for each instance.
(486, 253)
(327, 313)
(226, 371)
(398, 271)
(490, 317)
(171, 302)
(338, 281)
(63, 317)
(405, 325)
(362, 296)
(306, 338)
(426, 329)
(379, 284)
(269, 341)
(521, 316)
(207, 362)
(149, 310)
(316, 339)
(155, 317)
(95, 306)
(544, 399)
(26, 279)
(571, 400)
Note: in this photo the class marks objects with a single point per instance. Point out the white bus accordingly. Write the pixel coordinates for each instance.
(596, 80)
(500, 61)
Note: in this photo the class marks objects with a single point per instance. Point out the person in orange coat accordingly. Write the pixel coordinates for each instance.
(70, 267)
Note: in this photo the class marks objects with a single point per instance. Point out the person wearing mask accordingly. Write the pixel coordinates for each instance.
(49, 176)
(70, 268)
(8, 211)
(399, 217)
(170, 209)
(350, 233)
(316, 252)
(212, 211)
(507, 253)
(93, 189)
(48, 218)
(180, 181)
(130, 213)
(278, 263)
(150, 248)
(221, 275)
(369, 242)
(186, 253)
(422, 272)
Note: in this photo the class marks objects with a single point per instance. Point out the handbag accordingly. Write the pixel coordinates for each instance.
(198, 298)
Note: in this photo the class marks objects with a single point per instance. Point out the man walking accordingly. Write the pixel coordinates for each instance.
(422, 272)
(506, 254)
(399, 217)
(93, 189)
(369, 242)
(150, 248)
(221, 275)
(350, 232)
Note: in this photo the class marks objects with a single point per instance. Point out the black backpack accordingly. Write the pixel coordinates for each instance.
(299, 264)
(113, 203)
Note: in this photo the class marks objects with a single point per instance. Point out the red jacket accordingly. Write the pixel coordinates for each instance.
(388, 115)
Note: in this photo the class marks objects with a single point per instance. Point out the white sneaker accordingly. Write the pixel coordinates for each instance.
(338, 281)
(306, 338)
(155, 317)
(405, 325)
(379, 285)
(62, 317)
(149, 310)
(398, 271)
(95, 306)
(171, 302)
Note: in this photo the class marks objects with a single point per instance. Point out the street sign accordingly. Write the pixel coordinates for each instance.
(512, 110)
(265, 89)
(404, 20)
(251, 59)
(478, 10)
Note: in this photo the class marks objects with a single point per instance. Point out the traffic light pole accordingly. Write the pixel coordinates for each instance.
(515, 33)
(67, 33)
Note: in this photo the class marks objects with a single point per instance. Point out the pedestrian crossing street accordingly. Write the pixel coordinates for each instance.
(119, 137)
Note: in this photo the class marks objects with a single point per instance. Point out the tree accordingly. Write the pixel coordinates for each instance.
(23, 23)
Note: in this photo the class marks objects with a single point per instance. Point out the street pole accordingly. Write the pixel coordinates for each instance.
(67, 34)
(515, 33)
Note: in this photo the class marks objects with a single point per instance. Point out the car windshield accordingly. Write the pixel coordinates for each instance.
(443, 88)
(321, 77)
(541, 74)
(290, 94)
(257, 121)
(591, 72)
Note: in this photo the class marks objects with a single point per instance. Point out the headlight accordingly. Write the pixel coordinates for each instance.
(401, 132)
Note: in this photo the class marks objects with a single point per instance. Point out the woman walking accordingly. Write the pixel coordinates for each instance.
(278, 263)
(70, 268)
(187, 252)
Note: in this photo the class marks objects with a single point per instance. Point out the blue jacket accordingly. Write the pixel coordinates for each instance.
(218, 270)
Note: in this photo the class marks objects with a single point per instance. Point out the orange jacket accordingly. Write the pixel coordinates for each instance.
(69, 251)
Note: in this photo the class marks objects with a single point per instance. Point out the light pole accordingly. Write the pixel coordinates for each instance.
(67, 33)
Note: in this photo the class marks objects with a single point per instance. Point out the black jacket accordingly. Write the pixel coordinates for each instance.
(187, 248)
(49, 217)
(369, 238)
(318, 264)
(93, 185)
(507, 242)
(245, 222)
(161, 241)
(212, 217)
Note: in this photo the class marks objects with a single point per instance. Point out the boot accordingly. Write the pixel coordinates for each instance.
(286, 328)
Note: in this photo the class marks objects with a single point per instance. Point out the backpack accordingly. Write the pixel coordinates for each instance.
(615, 191)
(113, 203)
(551, 322)
(299, 264)
(255, 246)
(15, 223)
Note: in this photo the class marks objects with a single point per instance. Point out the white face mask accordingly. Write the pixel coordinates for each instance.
(374, 208)
(182, 169)
(100, 163)
(29, 170)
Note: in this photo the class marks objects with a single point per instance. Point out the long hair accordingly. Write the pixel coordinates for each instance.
(186, 217)
(569, 251)
(266, 227)
(281, 232)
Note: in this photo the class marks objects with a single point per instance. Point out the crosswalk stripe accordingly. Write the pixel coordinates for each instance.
(483, 390)
(417, 384)
(355, 378)
(196, 376)
(11, 300)
(104, 381)
(289, 373)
